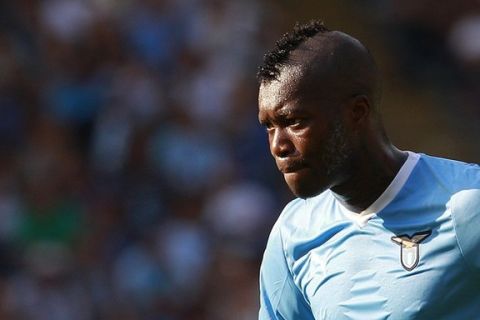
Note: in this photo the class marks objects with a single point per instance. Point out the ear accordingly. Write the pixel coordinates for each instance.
(359, 110)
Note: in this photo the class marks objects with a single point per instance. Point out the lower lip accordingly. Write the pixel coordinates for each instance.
(295, 171)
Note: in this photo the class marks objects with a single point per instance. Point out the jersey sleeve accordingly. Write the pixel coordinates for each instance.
(280, 299)
(466, 215)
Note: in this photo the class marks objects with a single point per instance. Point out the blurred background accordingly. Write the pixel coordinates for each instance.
(135, 181)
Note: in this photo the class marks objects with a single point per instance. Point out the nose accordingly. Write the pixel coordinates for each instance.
(280, 143)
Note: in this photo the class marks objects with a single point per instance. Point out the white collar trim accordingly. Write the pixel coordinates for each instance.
(361, 218)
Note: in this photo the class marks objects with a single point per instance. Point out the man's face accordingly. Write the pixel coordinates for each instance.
(307, 135)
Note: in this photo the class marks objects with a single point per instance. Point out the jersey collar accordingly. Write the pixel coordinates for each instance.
(387, 196)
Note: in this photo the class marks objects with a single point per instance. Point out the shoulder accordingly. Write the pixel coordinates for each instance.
(456, 174)
(279, 296)
(275, 243)
(463, 182)
(465, 209)
(275, 266)
(459, 183)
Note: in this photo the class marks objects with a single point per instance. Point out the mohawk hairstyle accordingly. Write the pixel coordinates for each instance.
(276, 58)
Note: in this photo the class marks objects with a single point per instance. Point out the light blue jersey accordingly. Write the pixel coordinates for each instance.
(413, 254)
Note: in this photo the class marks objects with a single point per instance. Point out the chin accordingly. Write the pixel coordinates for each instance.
(305, 184)
(306, 195)
(305, 192)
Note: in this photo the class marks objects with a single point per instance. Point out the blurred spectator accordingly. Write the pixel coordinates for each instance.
(464, 40)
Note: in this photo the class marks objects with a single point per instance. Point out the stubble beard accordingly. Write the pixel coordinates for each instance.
(337, 150)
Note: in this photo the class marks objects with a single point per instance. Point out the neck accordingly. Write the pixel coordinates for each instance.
(370, 176)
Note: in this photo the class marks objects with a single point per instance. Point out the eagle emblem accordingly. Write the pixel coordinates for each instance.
(409, 248)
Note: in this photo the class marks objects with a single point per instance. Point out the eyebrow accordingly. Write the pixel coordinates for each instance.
(281, 113)
(287, 110)
(284, 110)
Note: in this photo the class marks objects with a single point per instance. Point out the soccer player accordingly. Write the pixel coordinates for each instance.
(376, 232)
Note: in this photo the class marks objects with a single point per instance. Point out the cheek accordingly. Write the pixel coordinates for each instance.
(310, 144)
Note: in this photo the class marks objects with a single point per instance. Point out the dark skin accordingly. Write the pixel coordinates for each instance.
(322, 122)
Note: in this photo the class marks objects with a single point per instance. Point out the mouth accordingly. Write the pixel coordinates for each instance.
(291, 167)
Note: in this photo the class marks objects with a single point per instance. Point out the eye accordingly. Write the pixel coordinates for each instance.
(294, 122)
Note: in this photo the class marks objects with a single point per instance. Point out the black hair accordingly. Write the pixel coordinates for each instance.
(276, 58)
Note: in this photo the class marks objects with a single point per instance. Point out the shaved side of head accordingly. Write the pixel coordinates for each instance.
(336, 65)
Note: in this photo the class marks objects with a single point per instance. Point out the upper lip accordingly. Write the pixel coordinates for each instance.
(289, 167)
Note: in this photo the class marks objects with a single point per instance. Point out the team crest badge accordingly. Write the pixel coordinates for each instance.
(409, 248)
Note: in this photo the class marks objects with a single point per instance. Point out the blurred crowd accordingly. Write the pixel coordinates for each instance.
(437, 48)
(135, 181)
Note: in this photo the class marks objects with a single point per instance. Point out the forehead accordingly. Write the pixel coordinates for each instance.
(276, 93)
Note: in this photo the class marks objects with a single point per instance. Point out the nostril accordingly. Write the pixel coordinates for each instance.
(282, 152)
